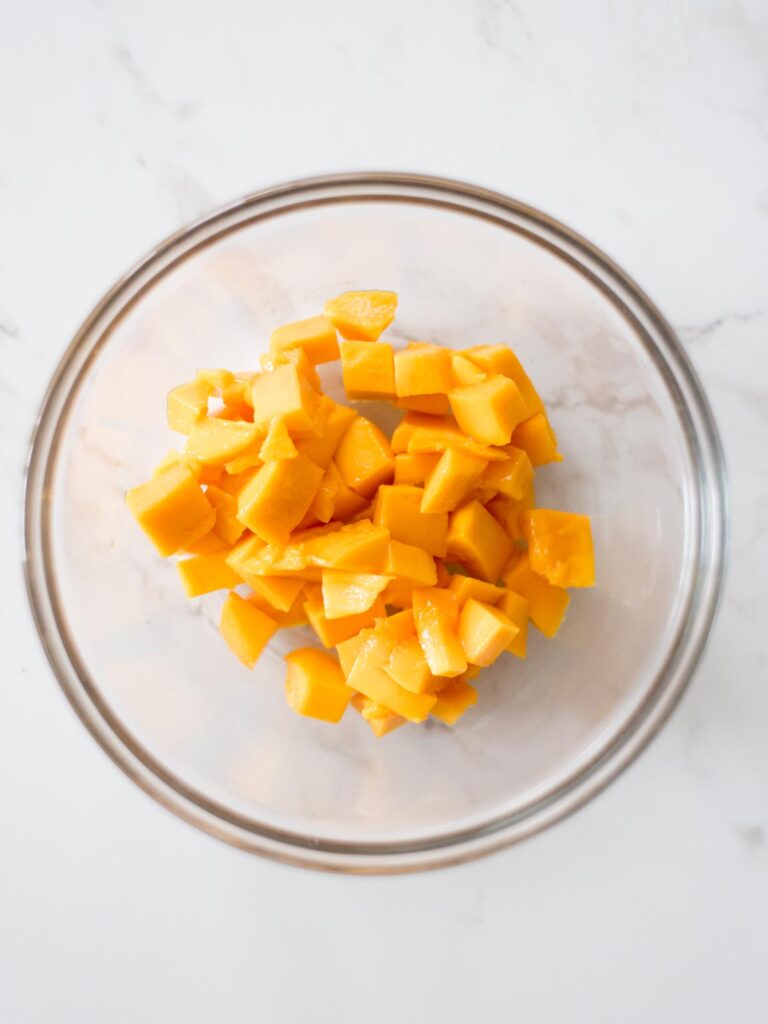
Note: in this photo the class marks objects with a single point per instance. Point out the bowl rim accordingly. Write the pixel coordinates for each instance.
(710, 513)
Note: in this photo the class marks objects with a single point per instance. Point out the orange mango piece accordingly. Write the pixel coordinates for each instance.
(464, 371)
(232, 389)
(277, 444)
(271, 360)
(280, 592)
(421, 433)
(350, 593)
(425, 370)
(364, 457)
(560, 546)
(246, 629)
(465, 587)
(507, 511)
(512, 477)
(286, 392)
(203, 574)
(315, 336)
(484, 632)
(347, 650)
(315, 685)
(501, 359)
(216, 441)
(362, 316)
(488, 411)
(381, 720)
(356, 547)
(548, 604)
(410, 564)
(536, 437)
(227, 525)
(414, 469)
(408, 667)
(209, 544)
(453, 700)
(518, 610)
(322, 448)
(436, 615)
(332, 632)
(368, 370)
(171, 509)
(476, 539)
(368, 677)
(203, 473)
(397, 507)
(452, 480)
(187, 404)
(278, 497)
(435, 405)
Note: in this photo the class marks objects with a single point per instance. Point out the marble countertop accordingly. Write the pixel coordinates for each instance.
(642, 125)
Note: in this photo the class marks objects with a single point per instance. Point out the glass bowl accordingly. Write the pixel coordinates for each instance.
(146, 669)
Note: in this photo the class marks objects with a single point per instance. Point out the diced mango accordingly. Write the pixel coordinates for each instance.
(186, 405)
(171, 509)
(364, 457)
(277, 444)
(436, 616)
(209, 544)
(356, 547)
(350, 593)
(512, 477)
(422, 433)
(224, 384)
(501, 359)
(465, 587)
(274, 502)
(227, 525)
(464, 371)
(560, 546)
(518, 610)
(278, 591)
(548, 604)
(452, 480)
(368, 677)
(321, 449)
(476, 539)
(216, 441)
(271, 360)
(368, 370)
(381, 720)
(484, 632)
(362, 316)
(203, 574)
(435, 405)
(332, 632)
(250, 459)
(398, 508)
(324, 501)
(453, 700)
(488, 411)
(398, 594)
(286, 392)
(315, 685)
(315, 336)
(423, 371)
(507, 511)
(408, 667)
(536, 437)
(348, 504)
(410, 564)
(246, 629)
(414, 469)
(396, 627)
(202, 473)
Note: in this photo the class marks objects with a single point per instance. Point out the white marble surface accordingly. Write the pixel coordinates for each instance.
(643, 125)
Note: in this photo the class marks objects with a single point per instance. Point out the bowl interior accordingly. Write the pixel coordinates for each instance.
(155, 663)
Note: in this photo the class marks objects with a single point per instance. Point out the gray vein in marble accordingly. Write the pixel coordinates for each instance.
(9, 328)
(694, 332)
(125, 59)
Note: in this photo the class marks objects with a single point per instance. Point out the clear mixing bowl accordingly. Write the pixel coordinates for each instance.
(146, 669)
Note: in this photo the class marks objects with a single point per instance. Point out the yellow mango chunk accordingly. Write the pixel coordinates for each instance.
(277, 444)
(465, 587)
(227, 525)
(548, 604)
(356, 547)
(436, 433)
(223, 383)
(362, 316)
(398, 508)
(203, 574)
(246, 629)
(347, 503)
(368, 677)
(560, 546)
(350, 593)
(488, 411)
(315, 685)
(250, 459)
(315, 336)
(453, 700)
(332, 632)
(293, 616)
(324, 501)
(271, 360)
(452, 480)
(501, 359)
(536, 437)
(518, 610)
(409, 563)
(285, 392)
(186, 405)
(484, 632)
(364, 457)
(203, 473)
(171, 509)
(209, 544)
(435, 405)
(217, 441)
(464, 371)
(321, 449)
(476, 539)
(348, 650)
(512, 477)
(368, 370)
(507, 511)
(280, 592)
(408, 667)
(278, 497)
(423, 371)
(381, 720)
(399, 594)
(414, 469)
(396, 627)
(436, 616)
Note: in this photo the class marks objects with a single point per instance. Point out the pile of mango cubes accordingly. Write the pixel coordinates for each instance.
(419, 559)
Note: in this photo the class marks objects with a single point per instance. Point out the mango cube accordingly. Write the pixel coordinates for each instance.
(277, 444)
(408, 667)
(409, 563)
(453, 700)
(414, 469)
(274, 502)
(434, 405)
(484, 632)
(364, 457)
(398, 508)
(315, 685)
(285, 392)
(536, 437)
(315, 336)
(362, 316)
(501, 359)
(203, 574)
(425, 370)
(321, 449)
(465, 371)
(507, 511)
(548, 604)
(476, 539)
(513, 477)
(246, 629)
(186, 404)
(518, 610)
(350, 593)
(216, 441)
(368, 370)
(171, 509)
(465, 587)
(271, 360)
(368, 677)
(381, 720)
(452, 480)
(332, 632)
(560, 546)
(280, 592)
(488, 411)
(436, 616)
